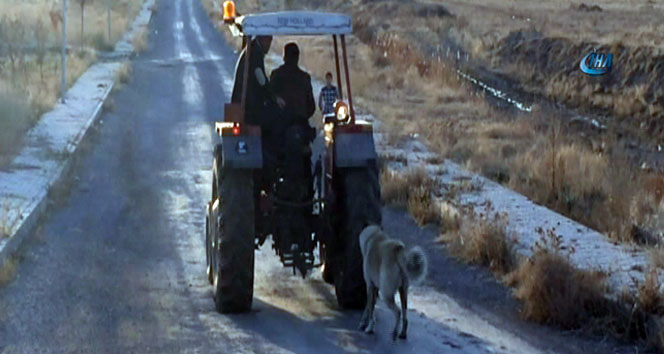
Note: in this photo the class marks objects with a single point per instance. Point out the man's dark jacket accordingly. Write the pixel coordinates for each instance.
(294, 86)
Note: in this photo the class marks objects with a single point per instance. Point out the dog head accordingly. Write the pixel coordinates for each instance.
(366, 235)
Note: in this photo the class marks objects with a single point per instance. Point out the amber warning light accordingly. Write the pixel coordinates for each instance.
(229, 11)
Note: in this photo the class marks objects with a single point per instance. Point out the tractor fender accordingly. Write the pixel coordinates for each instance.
(241, 152)
(354, 147)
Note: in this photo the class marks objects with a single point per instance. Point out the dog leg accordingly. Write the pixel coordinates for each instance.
(397, 314)
(364, 322)
(403, 294)
(371, 303)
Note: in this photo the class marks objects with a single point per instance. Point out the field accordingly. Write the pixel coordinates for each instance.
(539, 43)
(405, 56)
(587, 175)
(30, 63)
(590, 176)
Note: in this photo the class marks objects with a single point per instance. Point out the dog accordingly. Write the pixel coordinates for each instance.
(388, 266)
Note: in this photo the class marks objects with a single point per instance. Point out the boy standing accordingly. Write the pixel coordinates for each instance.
(328, 95)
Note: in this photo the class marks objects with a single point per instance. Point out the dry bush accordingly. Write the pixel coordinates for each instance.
(657, 257)
(394, 188)
(450, 218)
(482, 240)
(555, 292)
(7, 271)
(422, 206)
(414, 190)
(650, 297)
(397, 187)
(99, 42)
(14, 113)
(125, 72)
(140, 41)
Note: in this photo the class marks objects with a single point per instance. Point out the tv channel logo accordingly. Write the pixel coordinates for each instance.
(595, 64)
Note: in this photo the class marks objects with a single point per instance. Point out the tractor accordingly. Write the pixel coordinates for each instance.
(344, 183)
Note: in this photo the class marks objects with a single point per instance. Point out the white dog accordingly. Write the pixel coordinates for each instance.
(388, 267)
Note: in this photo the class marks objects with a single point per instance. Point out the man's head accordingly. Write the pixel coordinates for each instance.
(265, 42)
(328, 78)
(291, 53)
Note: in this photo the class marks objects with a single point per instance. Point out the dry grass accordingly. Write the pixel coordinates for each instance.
(650, 297)
(588, 180)
(483, 241)
(7, 271)
(396, 187)
(140, 41)
(555, 292)
(30, 72)
(109, 105)
(657, 257)
(125, 73)
(422, 206)
(538, 42)
(33, 93)
(551, 289)
(571, 178)
(13, 118)
(414, 190)
(30, 12)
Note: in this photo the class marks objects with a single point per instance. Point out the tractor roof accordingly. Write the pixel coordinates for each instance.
(295, 23)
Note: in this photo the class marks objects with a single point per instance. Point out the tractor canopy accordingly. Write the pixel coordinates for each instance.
(292, 23)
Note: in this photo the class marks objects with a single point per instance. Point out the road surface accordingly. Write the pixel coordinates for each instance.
(118, 264)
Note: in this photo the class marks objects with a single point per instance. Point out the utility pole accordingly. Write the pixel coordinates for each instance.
(63, 82)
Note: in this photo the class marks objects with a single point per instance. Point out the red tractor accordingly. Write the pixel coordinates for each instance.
(242, 212)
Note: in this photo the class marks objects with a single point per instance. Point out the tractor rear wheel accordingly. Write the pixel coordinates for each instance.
(360, 207)
(234, 273)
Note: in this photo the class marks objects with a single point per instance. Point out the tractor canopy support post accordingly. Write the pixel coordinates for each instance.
(336, 62)
(245, 79)
(350, 96)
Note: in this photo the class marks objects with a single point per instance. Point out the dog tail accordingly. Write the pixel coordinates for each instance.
(415, 264)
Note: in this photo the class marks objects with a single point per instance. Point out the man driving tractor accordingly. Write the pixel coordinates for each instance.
(293, 85)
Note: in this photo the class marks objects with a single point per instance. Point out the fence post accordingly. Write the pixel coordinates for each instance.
(63, 82)
(108, 15)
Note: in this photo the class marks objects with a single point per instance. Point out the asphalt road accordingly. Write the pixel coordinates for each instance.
(118, 264)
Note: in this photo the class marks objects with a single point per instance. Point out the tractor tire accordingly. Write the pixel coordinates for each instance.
(360, 203)
(234, 275)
